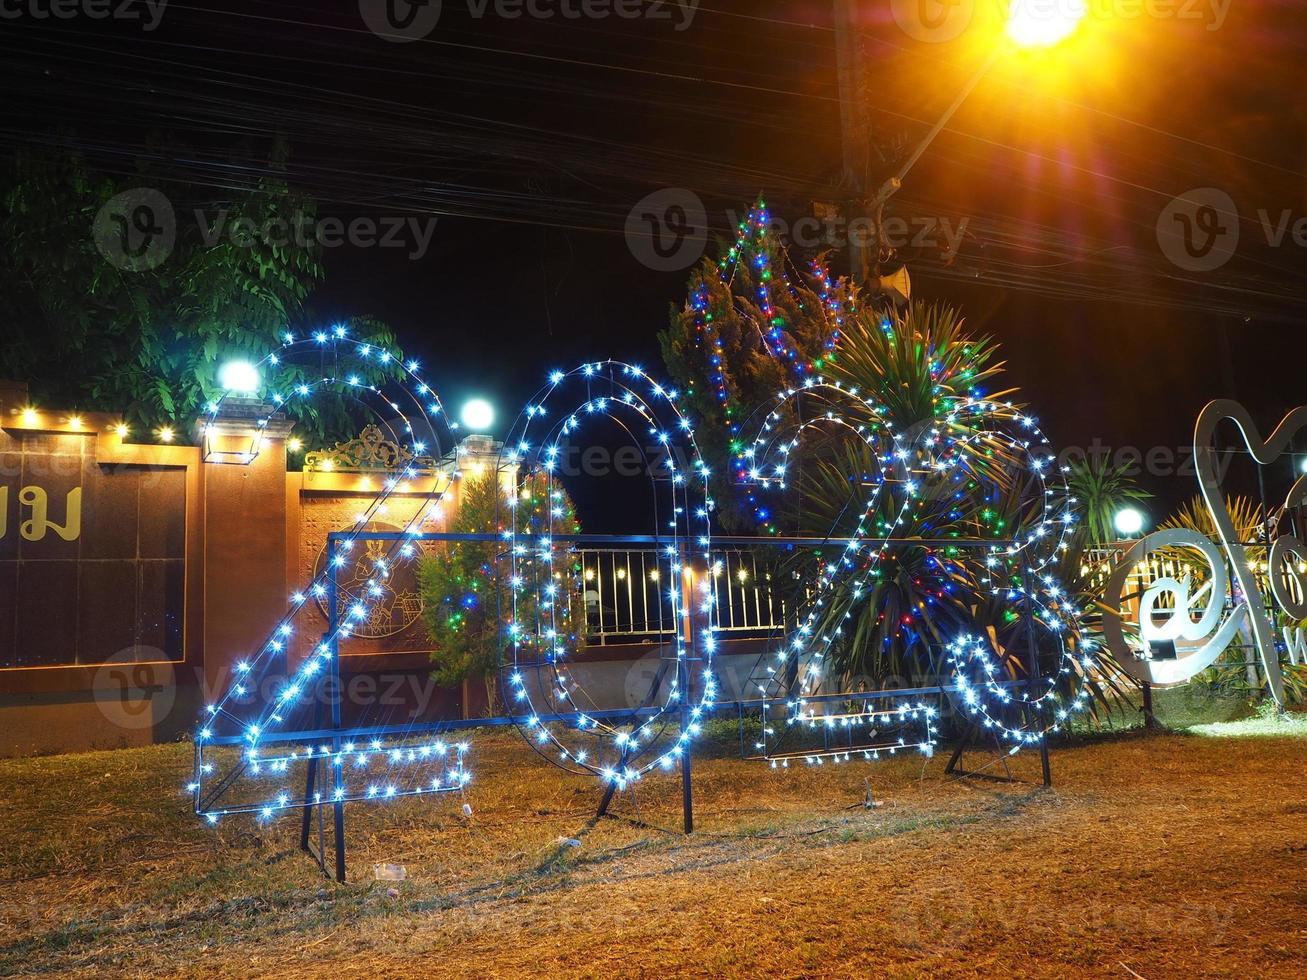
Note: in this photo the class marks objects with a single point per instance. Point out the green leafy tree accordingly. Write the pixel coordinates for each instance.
(147, 343)
(466, 591)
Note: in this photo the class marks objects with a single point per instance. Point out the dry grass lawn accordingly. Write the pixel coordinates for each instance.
(1159, 856)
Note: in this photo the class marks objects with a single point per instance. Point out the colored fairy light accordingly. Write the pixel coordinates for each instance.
(967, 427)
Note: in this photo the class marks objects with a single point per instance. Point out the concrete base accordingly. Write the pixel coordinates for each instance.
(81, 722)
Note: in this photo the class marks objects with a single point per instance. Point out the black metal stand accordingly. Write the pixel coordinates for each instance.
(330, 683)
(969, 738)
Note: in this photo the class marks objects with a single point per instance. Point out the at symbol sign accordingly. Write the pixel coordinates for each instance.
(1198, 642)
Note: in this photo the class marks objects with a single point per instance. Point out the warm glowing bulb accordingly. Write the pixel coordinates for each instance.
(75, 422)
(294, 445)
(30, 416)
(1043, 23)
(166, 434)
(122, 429)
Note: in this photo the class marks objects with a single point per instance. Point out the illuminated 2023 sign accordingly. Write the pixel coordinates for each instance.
(1196, 621)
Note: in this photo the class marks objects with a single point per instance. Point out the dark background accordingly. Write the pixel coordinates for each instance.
(531, 140)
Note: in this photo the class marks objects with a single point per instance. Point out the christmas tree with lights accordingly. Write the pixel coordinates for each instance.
(467, 590)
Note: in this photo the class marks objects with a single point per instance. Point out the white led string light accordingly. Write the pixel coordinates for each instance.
(624, 394)
(761, 465)
(935, 453)
(396, 753)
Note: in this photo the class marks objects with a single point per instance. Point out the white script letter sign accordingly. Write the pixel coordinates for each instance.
(1198, 642)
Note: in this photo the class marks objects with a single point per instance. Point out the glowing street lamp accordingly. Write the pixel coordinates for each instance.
(1043, 23)
(239, 377)
(1031, 24)
(1129, 521)
(477, 415)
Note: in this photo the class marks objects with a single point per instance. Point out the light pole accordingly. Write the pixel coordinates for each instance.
(1029, 25)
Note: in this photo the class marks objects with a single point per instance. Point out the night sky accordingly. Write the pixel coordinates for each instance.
(532, 139)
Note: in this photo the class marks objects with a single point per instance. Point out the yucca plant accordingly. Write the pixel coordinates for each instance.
(918, 365)
(921, 373)
(1103, 490)
(916, 598)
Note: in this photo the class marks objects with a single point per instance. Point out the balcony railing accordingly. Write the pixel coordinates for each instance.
(627, 597)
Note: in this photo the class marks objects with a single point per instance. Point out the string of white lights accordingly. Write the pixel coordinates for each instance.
(539, 628)
(343, 365)
(937, 456)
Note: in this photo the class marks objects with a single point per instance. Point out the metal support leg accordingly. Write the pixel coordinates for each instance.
(338, 771)
(1034, 676)
(687, 785)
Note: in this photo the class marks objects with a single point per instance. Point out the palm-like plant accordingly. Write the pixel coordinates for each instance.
(1103, 490)
(922, 373)
(917, 365)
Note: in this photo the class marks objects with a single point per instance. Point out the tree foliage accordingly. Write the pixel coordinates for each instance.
(466, 592)
(1103, 490)
(87, 334)
(753, 323)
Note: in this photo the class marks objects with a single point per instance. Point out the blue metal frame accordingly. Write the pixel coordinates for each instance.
(338, 735)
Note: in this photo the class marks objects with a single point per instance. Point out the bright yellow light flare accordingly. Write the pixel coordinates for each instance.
(31, 416)
(166, 434)
(294, 444)
(1044, 23)
(75, 422)
(122, 429)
